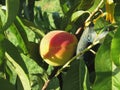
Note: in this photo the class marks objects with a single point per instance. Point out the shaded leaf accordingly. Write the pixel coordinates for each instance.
(54, 84)
(117, 13)
(36, 82)
(5, 85)
(77, 77)
(85, 4)
(11, 12)
(21, 29)
(2, 49)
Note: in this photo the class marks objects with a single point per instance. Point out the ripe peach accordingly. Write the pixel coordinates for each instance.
(57, 47)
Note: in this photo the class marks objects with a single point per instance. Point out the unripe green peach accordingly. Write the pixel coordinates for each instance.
(57, 47)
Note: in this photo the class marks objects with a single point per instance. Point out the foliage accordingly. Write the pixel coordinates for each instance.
(96, 64)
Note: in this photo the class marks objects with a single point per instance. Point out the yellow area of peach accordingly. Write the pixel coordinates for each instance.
(61, 56)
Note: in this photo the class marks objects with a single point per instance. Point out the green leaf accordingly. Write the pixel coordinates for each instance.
(116, 1)
(100, 24)
(85, 4)
(5, 85)
(77, 14)
(103, 67)
(0, 22)
(95, 5)
(115, 48)
(10, 73)
(116, 78)
(21, 74)
(77, 77)
(21, 29)
(15, 37)
(107, 73)
(2, 50)
(14, 53)
(11, 12)
(117, 13)
(32, 66)
(34, 28)
(36, 82)
(54, 84)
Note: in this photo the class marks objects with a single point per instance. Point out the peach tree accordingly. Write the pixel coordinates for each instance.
(83, 55)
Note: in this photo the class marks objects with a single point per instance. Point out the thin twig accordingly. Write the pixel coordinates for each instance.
(50, 77)
(45, 85)
(87, 22)
(81, 53)
(57, 72)
(94, 12)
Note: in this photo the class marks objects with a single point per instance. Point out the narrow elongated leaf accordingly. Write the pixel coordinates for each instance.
(10, 73)
(34, 28)
(11, 12)
(23, 77)
(15, 37)
(115, 48)
(13, 52)
(2, 18)
(77, 77)
(21, 29)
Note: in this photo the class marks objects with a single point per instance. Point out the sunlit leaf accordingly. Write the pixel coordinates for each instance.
(103, 67)
(10, 73)
(22, 75)
(14, 53)
(15, 37)
(21, 30)
(33, 28)
(77, 14)
(95, 5)
(32, 66)
(107, 73)
(115, 48)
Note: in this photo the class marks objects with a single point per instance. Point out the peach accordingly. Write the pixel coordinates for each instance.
(57, 47)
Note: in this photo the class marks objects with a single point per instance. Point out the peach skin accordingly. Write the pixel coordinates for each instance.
(57, 47)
